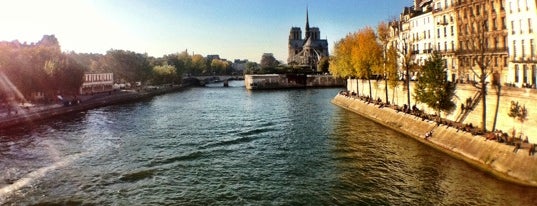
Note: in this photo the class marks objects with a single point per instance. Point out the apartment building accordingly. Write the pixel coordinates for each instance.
(482, 38)
(521, 19)
(445, 29)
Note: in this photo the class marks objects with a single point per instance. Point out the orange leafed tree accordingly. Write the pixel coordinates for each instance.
(367, 55)
(340, 61)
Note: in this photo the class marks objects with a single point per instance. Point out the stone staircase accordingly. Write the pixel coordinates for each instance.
(475, 99)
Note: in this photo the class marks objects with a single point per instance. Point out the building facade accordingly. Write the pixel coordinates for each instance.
(521, 19)
(481, 35)
(306, 51)
(445, 27)
(97, 83)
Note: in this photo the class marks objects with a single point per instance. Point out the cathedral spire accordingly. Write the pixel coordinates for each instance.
(307, 24)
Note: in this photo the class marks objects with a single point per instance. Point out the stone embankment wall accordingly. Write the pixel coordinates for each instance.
(497, 158)
(29, 118)
(283, 81)
(464, 91)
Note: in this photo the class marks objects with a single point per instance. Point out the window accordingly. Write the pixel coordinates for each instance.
(452, 46)
(514, 48)
(525, 73)
(495, 61)
(445, 46)
(494, 24)
(532, 50)
(503, 23)
(504, 61)
(522, 47)
(530, 29)
(516, 72)
(533, 74)
(445, 32)
(438, 33)
(477, 8)
(452, 32)
(495, 43)
(512, 27)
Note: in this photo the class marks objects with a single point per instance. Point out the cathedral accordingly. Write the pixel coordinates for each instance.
(307, 51)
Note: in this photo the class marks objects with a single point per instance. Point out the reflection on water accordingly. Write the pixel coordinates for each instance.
(229, 146)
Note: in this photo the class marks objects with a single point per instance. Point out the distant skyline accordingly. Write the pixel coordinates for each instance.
(233, 29)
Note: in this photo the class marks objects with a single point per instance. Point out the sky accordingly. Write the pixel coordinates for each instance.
(233, 29)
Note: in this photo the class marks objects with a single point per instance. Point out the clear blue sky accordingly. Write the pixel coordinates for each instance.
(234, 29)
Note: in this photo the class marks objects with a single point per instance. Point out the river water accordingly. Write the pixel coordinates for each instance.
(230, 146)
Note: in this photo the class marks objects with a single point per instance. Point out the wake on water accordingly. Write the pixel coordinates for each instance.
(28, 179)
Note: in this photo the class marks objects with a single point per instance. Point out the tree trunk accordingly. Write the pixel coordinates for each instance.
(357, 91)
(497, 107)
(370, 93)
(408, 86)
(484, 102)
(386, 88)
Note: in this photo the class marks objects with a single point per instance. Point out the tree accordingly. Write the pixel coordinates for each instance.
(366, 55)
(498, 86)
(433, 88)
(383, 33)
(408, 65)
(268, 61)
(323, 65)
(128, 66)
(163, 74)
(518, 112)
(64, 75)
(391, 70)
(340, 62)
(250, 68)
(199, 65)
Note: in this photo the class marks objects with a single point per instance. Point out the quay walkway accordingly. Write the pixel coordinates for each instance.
(28, 113)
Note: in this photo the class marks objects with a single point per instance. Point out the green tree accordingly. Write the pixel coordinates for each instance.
(433, 88)
(323, 65)
(128, 66)
(251, 68)
(518, 112)
(268, 62)
(199, 65)
(163, 74)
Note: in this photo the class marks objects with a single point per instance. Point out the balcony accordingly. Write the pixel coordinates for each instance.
(442, 23)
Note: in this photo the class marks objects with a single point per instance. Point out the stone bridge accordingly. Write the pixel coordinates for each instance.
(202, 80)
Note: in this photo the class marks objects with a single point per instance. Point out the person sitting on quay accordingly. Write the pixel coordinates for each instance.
(429, 134)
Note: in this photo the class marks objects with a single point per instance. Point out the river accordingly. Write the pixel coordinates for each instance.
(230, 146)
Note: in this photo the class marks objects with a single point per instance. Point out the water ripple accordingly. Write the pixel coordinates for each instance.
(229, 146)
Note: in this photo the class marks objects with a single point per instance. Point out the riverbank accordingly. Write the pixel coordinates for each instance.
(500, 160)
(29, 116)
(290, 81)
